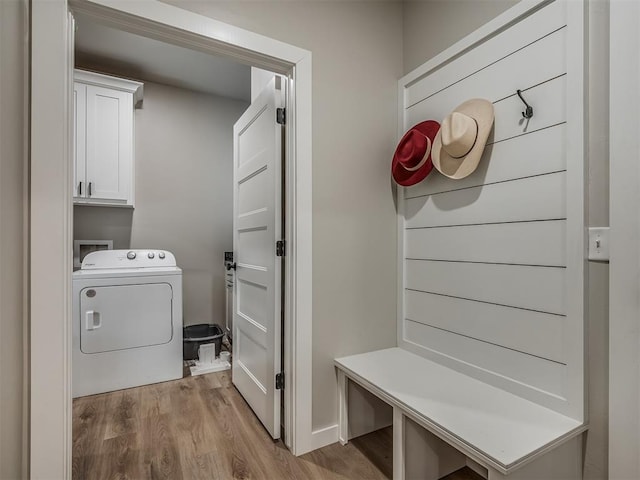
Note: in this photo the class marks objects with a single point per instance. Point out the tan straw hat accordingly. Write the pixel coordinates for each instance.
(459, 144)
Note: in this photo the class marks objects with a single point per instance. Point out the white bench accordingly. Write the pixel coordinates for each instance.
(467, 419)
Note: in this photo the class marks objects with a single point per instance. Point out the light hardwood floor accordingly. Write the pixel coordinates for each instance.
(201, 428)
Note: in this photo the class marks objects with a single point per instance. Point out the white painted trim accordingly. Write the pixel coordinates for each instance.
(400, 224)
(624, 211)
(162, 21)
(300, 253)
(343, 408)
(51, 214)
(51, 231)
(325, 436)
(576, 204)
(399, 447)
(115, 83)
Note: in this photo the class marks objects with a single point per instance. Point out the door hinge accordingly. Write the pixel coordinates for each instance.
(280, 381)
(280, 248)
(281, 116)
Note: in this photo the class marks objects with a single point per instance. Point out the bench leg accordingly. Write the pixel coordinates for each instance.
(343, 407)
(398, 444)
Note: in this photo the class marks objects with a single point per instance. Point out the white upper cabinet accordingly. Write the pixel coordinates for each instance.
(104, 139)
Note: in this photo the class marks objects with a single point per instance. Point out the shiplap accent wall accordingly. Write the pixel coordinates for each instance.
(492, 266)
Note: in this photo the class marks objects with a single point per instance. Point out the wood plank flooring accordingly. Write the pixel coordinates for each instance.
(201, 428)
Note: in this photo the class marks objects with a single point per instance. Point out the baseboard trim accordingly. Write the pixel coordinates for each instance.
(324, 436)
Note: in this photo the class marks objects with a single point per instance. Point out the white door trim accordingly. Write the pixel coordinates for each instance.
(51, 211)
(624, 266)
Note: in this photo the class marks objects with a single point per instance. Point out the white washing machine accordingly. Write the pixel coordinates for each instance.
(127, 320)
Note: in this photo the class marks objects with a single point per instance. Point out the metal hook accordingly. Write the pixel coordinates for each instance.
(528, 113)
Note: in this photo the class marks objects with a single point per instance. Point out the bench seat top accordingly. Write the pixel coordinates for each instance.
(482, 421)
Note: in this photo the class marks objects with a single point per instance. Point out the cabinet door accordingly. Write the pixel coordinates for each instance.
(109, 143)
(79, 140)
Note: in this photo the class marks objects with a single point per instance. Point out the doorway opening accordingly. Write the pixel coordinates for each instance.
(153, 20)
(196, 172)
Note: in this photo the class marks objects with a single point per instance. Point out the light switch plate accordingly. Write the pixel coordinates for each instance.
(599, 244)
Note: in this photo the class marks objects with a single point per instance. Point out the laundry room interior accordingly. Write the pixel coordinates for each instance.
(183, 171)
(166, 166)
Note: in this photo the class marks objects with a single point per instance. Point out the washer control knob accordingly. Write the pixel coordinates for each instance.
(151, 255)
(161, 255)
(131, 255)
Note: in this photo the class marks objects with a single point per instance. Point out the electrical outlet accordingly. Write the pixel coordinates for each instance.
(599, 244)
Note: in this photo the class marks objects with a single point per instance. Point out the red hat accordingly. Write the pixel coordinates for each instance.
(412, 160)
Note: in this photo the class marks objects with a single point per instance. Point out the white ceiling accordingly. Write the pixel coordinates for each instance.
(121, 53)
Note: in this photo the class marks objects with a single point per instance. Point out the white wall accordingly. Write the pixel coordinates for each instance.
(596, 457)
(431, 26)
(184, 192)
(357, 60)
(13, 118)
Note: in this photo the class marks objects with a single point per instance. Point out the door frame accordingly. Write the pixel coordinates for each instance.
(51, 214)
(624, 265)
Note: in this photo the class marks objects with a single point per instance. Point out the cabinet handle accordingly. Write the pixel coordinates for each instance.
(79, 188)
(90, 188)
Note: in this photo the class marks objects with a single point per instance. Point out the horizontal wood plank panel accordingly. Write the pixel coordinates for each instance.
(548, 100)
(487, 281)
(536, 153)
(527, 243)
(516, 71)
(535, 288)
(534, 198)
(530, 29)
(533, 371)
(534, 333)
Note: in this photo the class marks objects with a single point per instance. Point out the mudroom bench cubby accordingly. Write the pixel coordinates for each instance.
(468, 421)
(489, 366)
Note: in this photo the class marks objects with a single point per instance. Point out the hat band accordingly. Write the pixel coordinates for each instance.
(475, 139)
(424, 159)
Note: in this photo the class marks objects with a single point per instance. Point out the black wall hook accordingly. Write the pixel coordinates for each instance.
(528, 113)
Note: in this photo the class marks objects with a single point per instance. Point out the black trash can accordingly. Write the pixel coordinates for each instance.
(195, 335)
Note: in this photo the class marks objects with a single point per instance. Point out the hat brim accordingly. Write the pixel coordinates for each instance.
(401, 175)
(482, 111)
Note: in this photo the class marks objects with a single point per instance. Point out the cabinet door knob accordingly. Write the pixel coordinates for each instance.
(90, 188)
(79, 188)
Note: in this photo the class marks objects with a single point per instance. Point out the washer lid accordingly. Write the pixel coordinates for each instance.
(107, 259)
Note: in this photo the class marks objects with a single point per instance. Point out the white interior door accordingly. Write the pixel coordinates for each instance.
(257, 226)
